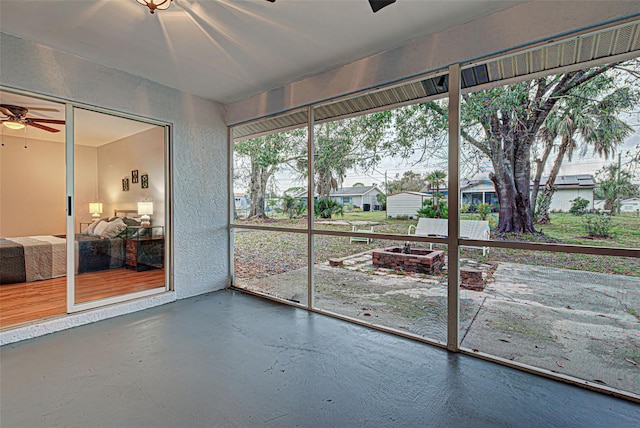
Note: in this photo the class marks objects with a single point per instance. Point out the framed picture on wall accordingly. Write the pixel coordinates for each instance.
(125, 184)
(134, 176)
(145, 181)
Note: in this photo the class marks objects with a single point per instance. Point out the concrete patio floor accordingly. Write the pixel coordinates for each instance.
(228, 359)
(577, 323)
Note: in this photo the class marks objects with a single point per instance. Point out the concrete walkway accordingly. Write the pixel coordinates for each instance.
(579, 323)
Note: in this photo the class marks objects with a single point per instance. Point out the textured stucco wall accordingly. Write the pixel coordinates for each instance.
(200, 235)
(514, 27)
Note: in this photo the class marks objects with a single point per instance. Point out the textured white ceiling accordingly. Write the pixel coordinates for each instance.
(230, 50)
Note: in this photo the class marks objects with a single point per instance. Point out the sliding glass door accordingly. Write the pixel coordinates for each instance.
(82, 192)
(119, 205)
(32, 209)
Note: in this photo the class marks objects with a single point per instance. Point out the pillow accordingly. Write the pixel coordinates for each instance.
(113, 228)
(90, 230)
(132, 228)
(100, 227)
(131, 221)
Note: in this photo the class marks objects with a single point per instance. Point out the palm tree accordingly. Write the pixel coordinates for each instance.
(580, 120)
(615, 182)
(435, 179)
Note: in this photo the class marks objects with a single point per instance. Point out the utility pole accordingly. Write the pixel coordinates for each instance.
(386, 187)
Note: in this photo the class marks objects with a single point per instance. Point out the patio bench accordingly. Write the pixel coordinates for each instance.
(360, 238)
(438, 227)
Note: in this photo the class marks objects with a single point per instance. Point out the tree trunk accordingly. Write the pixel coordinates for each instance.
(550, 186)
(258, 185)
(608, 205)
(325, 184)
(513, 192)
(540, 163)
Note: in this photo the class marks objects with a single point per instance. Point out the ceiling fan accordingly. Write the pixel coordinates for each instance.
(376, 5)
(16, 118)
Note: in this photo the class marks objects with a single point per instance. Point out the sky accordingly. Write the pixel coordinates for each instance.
(394, 168)
(588, 164)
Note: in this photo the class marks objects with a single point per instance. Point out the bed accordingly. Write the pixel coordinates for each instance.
(34, 258)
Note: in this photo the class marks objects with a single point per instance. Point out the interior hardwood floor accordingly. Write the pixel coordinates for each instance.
(30, 301)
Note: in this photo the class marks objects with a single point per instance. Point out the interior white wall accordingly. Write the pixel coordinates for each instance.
(32, 186)
(143, 151)
(199, 139)
(502, 31)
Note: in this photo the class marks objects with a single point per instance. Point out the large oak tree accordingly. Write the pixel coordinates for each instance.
(509, 124)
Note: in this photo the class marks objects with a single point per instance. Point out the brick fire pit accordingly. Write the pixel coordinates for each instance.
(419, 260)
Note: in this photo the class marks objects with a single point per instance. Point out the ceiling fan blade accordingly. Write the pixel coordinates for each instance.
(376, 5)
(42, 108)
(6, 111)
(45, 128)
(40, 120)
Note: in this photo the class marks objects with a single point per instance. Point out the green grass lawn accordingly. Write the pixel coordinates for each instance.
(564, 228)
(570, 229)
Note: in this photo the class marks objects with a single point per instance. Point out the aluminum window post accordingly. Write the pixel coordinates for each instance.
(310, 205)
(453, 289)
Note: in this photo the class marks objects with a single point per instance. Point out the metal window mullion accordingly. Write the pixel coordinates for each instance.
(168, 207)
(70, 205)
(453, 294)
(232, 203)
(310, 207)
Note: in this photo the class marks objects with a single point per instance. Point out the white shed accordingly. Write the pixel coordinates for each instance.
(405, 204)
(631, 205)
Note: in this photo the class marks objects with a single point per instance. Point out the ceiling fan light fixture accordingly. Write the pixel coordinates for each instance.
(13, 124)
(154, 5)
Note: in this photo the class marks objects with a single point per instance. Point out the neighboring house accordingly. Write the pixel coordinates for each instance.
(302, 195)
(365, 197)
(629, 205)
(443, 190)
(405, 204)
(568, 187)
(478, 190)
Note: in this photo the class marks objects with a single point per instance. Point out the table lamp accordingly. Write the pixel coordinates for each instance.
(95, 208)
(145, 209)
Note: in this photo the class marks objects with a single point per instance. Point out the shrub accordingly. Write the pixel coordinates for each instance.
(597, 226)
(484, 210)
(465, 208)
(492, 223)
(325, 208)
(579, 206)
(300, 207)
(429, 210)
(382, 200)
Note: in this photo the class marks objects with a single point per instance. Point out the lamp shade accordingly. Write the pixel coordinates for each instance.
(145, 208)
(95, 208)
